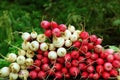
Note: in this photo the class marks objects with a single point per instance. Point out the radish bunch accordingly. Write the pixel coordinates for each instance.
(62, 52)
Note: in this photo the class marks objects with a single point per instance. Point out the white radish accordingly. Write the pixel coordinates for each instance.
(61, 52)
(29, 62)
(26, 36)
(68, 43)
(13, 76)
(21, 52)
(52, 55)
(67, 34)
(11, 57)
(4, 72)
(14, 67)
(33, 35)
(34, 45)
(23, 66)
(77, 32)
(71, 28)
(73, 38)
(23, 74)
(58, 42)
(51, 47)
(41, 38)
(30, 54)
(44, 46)
(20, 60)
(26, 45)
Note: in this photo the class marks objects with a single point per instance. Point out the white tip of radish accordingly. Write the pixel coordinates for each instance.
(52, 55)
(23, 74)
(51, 47)
(20, 60)
(73, 38)
(33, 34)
(67, 34)
(61, 52)
(30, 54)
(11, 57)
(21, 52)
(44, 46)
(14, 67)
(58, 42)
(26, 36)
(34, 45)
(77, 32)
(68, 43)
(4, 72)
(71, 28)
(13, 76)
(26, 45)
(41, 38)
(29, 62)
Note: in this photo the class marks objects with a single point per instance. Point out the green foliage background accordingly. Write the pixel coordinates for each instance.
(101, 17)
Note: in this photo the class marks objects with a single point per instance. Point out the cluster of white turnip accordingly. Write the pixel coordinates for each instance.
(62, 52)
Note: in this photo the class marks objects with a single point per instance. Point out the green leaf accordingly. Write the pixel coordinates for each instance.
(114, 48)
(4, 63)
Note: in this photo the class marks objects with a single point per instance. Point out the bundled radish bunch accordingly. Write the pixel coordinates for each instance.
(62, 52)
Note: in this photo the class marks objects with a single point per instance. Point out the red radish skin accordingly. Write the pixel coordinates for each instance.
(106, 75)
(110, 51)
(84, 35)
(81, 59)
(98, 48)
(42, 75)
(61, 60)
(100, 61)
(51, 72)
(58, 66)
(62, 27)
(45, 54)
(68, 64)
(64, 70)
(37, 62)
(90, 69)
(117, 56)
(114, 73)
(94, 56)
(90, 75)
(45, 24)
(74, 54)
(84, 42)
(74, 71)
(48, 33)
(93, 38)
(56, 32)
(39, 56)
(110, 58)
(33, 74)
(45, 67)
(83, 49)
(75, 63)
(96, 76)
(84, 75)
(82, 66)
(88, 55)
(99, 69)
(116, 64)
(90, 46)
(67, 76)
(98, 41)
(104, 55)
(37, 69)
(54, 24)
(108, 66)
(39, 51)
(90, 61)
(77, 44)
(58, 75)
(67, 57)
(45, 60)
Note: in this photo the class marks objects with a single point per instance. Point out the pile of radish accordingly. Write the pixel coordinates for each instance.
(59, 53)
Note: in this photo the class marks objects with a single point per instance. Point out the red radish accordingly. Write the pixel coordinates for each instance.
(75, 63)
(98, 41)
(116, 64)
(74, 54)
(45, 67)
(33, 74)
(67, 57)
(99, 69)
(39, 56)
(84, 49)
(64, 70)
(45, 60)
(46, 53)
(93, 38)
(77, 44)
(84, 35)
(68, 64)
(67, 75)
(81, 59)
(104, 55)
(48, 33)
(56, 32)
(100, 61)
(39, 51)
(110, 58)
(62, 27)
(54, 24)
(42, 75)
(58, 75)
(51, 72)
(84, 75)
(114, 73)
(90, 75)
(37, 62)
(90, 46)
(58, 66)
(45, 24)
(94, 56)
(110, 51)
(61, 60)
(98, 48)
(37, 69)
(117, 56)
(90, 69)
(82, 66)
(108, 66)
(74, 71)
(96, 76)
(90, 61)
(85, 42)
(88, 55)
(105, 75)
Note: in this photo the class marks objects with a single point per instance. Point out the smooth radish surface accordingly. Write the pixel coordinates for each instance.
(23, 74)
(71, 28)
(13, 76)
(4, 72)
(62, 27)
(20, 60)
(34, 45)
(108, 66)
(54, 24)
(90, 69)
(96, 76)
(41, 38)
(33, 35)
(74, 54)
(56, 32)
(52, 55)
(42, 75)
(14, 67)
(99, 69)
(84, 35)
(44, 46)
(61, 52)
(48, 33)
(26, 36)
(74, 71)
(45, 24)
(33, 74)
(105, 75)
